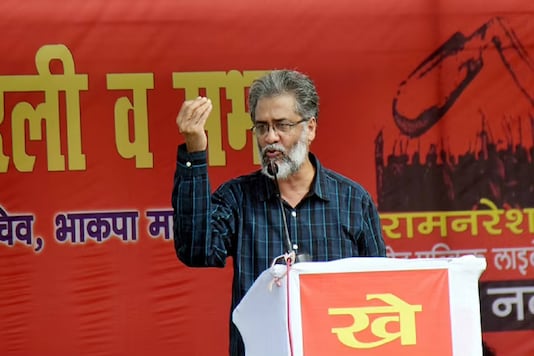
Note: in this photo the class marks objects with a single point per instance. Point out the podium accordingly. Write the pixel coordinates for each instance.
(369, 306)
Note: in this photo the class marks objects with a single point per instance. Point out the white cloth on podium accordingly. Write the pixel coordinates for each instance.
(262, 318)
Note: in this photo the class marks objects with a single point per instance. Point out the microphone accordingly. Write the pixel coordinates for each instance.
(272, 169)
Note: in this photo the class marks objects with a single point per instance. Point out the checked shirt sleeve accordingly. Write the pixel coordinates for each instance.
(202, 228)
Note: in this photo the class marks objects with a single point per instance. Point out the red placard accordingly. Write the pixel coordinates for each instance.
(376, 313)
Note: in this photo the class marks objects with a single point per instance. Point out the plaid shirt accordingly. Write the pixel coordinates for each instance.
(243, 219)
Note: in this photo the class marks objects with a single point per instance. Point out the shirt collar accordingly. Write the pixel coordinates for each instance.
(319, 187)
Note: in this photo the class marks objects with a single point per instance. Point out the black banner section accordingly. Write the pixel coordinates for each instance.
(507, 305)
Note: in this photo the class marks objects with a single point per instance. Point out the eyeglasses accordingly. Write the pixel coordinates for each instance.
(281, 127)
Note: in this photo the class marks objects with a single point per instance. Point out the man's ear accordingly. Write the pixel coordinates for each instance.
(312, 128)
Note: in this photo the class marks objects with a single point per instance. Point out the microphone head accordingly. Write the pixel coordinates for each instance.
(272, 168)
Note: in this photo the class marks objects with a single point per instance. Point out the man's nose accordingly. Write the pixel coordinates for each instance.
(272, 135)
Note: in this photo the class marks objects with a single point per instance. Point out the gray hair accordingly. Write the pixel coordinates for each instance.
(279, 82)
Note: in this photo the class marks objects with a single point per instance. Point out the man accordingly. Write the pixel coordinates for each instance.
(328, 216)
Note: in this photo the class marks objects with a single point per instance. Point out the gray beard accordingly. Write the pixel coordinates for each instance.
(291, 161)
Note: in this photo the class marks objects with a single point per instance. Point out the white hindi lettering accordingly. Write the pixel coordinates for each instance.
(393, 254)
(508, 258)
(442, 250)
(514, 298)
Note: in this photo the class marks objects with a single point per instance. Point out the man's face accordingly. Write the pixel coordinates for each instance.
(283, 136)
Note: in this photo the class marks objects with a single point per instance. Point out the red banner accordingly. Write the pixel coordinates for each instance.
(429, 106)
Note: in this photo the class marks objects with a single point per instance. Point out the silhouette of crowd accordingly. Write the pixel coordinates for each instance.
(499, 171)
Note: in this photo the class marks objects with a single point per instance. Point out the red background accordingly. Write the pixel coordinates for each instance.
(136, 298)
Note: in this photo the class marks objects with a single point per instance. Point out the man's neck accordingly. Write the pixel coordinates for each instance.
(295, 187)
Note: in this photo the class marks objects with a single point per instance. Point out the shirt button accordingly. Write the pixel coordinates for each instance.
(188, 164)
(293, 213)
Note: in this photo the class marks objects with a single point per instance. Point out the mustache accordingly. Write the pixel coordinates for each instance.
(273, 147)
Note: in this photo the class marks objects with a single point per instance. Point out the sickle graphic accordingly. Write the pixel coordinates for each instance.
(479, 41)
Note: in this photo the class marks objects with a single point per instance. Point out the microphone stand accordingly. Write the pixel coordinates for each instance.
(273, 170)
(291, 249)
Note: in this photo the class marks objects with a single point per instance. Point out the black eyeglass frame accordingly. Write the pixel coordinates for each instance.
(280, 127)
